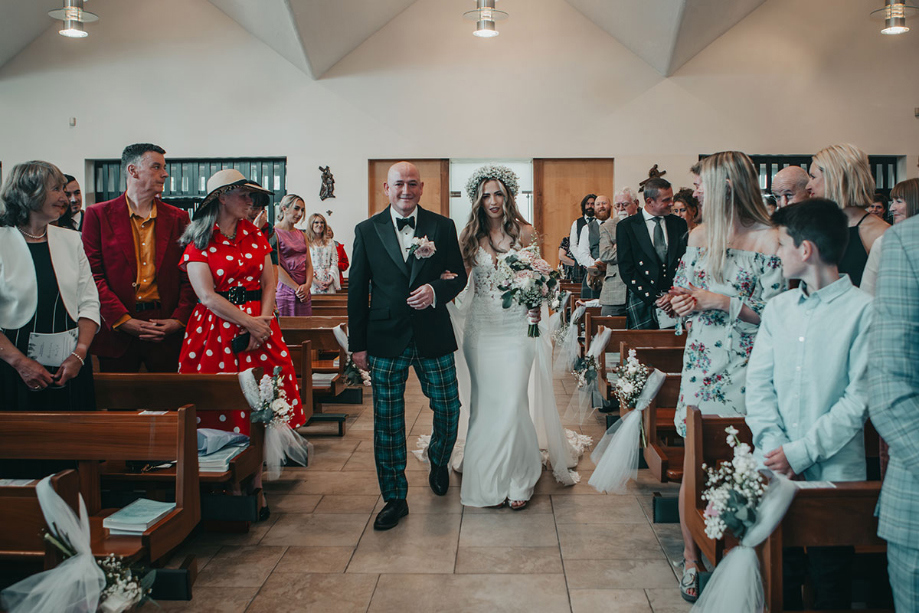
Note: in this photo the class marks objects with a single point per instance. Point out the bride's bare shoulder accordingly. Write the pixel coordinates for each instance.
(528, 235)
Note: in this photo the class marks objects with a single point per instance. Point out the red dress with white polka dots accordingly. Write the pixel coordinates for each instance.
(206, 349)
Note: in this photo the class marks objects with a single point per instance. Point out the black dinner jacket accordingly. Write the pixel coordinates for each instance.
(379, 318)
(640, 268)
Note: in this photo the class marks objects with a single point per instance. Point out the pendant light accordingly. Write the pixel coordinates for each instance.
(73, 17)
(485, 15)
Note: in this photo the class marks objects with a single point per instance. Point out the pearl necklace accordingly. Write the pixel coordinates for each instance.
(32, 236)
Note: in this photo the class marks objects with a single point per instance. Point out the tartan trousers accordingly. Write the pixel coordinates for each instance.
(640, 316)
(438, 383)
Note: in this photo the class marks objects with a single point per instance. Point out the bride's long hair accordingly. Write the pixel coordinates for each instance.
(477, 226)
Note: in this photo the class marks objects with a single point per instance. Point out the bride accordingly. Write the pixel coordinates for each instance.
(501, 461)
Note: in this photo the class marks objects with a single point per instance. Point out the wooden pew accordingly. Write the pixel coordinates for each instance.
(592, 325)
(706, 443)
(635, 338)
(165, 392)
(664, 459)
(668, 360)
(92, 437)
(22, 524)
(330, 304)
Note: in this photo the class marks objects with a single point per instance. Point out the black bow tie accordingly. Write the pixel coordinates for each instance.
(401, 222)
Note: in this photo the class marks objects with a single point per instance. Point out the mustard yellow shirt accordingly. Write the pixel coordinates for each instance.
(144, 231)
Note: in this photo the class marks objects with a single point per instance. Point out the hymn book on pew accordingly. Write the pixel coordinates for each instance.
(219, 461)
(135, 518)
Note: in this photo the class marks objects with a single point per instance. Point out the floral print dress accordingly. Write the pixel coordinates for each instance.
(719, 343)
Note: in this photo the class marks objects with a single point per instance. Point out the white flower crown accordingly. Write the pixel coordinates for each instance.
(488, 173)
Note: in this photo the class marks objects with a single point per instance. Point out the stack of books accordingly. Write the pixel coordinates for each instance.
(134, 519)
(219, 461)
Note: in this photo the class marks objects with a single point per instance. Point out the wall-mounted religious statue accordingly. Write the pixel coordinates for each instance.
(654, 173)
(328, 184)
(329, 212)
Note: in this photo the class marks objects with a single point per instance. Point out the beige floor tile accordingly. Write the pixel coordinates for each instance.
(293, 503)
(317, 530)
(360, 460)
(455, 593)
(240, 567)
(548, 485)
(419, 478)
(297, 592)
(538, 504)
(667, 600)
(613, 574)
(598, 510)
(422, 500)
(508, 560)
(608, 542)
(203, 552)
(315, 560)
(354, 483)
(609, 601)
(508, 530)
(329, 459)
(255, 534)
(207, 600)
(350, 505)
(421, 543)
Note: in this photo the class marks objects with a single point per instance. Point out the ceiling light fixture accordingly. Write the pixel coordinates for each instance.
(485, 15)
(73, 17)
(894, 14)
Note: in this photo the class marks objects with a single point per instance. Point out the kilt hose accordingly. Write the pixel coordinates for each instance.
(438, 383)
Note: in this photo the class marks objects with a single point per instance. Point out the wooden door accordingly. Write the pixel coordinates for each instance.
(559, 185)
(435, 174)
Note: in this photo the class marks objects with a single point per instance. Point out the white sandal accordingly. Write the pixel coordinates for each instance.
(690, 581)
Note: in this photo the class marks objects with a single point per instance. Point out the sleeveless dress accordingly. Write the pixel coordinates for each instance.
(854, 258)
(325, 267)
(292, 254)
(502, 459)
(719, 343)
(206, 348)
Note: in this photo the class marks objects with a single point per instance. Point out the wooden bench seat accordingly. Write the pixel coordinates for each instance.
(93, 437)
(662, 455)
(22, 523)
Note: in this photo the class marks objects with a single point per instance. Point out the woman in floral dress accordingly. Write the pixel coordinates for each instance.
(324, 256)
(229, 265)
(726, 276)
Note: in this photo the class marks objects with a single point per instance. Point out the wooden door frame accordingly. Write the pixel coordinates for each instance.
(538, 169)
(444, 181)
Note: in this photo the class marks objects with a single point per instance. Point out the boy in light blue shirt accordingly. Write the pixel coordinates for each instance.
(807, 386)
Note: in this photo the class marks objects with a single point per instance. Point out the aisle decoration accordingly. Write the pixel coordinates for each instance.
(353, 374)
(741, 500)
(616, 455)
(78, 584)
(586, 372)
(566, 343)
(270, 406)
(527, 280)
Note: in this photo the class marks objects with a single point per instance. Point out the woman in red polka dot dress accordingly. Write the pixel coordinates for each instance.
(228, 263)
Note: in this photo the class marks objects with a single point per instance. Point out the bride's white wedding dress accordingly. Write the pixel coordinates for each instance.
(501, 458)
(509, 423)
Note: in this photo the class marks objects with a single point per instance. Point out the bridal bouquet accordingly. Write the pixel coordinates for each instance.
(356, 376)
(733, 492)
(631, 381)
(526, 279)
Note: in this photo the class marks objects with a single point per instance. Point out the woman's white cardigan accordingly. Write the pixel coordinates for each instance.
(19, 286)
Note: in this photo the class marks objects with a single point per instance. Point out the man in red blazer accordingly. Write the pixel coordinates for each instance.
(133, 250)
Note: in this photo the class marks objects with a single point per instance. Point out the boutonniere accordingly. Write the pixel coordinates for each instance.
(422, 248)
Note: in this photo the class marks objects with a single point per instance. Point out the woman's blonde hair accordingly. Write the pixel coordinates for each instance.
(908, 192)
(846, 175)
(284, 204)
(732, 193)
(477, 226)
(316, 239)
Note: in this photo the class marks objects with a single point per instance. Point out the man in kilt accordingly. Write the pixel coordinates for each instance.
(397, 318)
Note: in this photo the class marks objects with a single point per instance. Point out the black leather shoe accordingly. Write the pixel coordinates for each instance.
(390, 515)
(439, 479)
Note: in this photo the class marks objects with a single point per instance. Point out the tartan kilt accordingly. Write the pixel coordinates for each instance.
(640, 316)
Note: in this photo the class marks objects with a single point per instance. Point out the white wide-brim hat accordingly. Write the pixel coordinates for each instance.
(224, 181)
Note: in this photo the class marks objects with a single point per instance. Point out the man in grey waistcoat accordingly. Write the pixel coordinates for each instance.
(587, 251)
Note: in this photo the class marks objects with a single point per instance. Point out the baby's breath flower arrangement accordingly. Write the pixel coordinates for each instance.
(489, 173)
(734, 491)
(632, 378)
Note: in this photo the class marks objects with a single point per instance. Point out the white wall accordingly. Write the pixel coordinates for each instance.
(182, 74)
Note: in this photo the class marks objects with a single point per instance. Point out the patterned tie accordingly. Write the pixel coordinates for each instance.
(660, 246)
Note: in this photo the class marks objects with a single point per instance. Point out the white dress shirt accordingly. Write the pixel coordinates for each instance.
(651, 224)
(581, 251)
(406, 234)
(807, 383)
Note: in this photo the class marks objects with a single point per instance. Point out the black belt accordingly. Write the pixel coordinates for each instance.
(239, 295)
(140, 307)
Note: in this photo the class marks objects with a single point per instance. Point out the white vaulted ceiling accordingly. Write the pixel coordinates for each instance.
(314, 35)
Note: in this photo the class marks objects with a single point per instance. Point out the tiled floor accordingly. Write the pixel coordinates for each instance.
(572, 550)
